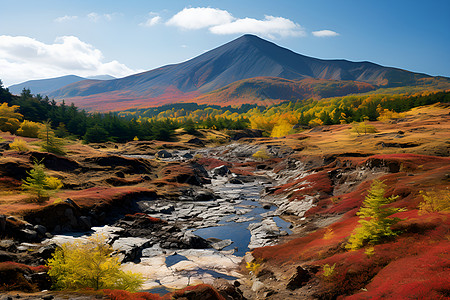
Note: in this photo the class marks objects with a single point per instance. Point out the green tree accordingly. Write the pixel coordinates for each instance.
(90, 264)
(96, 134)
(50, 143)
(374, 222)
(39, 183)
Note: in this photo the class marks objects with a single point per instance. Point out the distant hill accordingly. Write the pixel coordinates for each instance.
(45, 86)
(243, 58)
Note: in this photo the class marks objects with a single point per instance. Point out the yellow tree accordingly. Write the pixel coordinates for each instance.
(90, 264)
(9, 118)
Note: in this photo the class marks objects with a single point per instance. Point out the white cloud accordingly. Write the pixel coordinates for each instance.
(200, 17)
(95, 17)
(325, 33)
(270, 27)
(152, 21)
(23, 58)
(65, 18)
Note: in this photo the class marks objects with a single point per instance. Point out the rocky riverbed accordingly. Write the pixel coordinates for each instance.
(201, 236)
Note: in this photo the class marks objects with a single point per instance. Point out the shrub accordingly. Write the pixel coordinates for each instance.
(261, 154)
(328, 271)
(253, 267)
(29, 129)
(434, 201)
(374, 222)
(363, 127)
(90, 264)
(19, 145)
(39, 183)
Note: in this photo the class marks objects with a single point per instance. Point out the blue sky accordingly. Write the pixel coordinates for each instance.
(43, 39)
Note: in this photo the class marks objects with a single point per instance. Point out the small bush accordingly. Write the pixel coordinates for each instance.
(29, 129)
(261, 154)
(19, 144)
(328, 271)
(363, 128)
(434, 201)
(253, 267)
(370, 251)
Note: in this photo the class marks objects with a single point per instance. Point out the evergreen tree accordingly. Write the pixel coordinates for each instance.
(374, 222)
(50, 143)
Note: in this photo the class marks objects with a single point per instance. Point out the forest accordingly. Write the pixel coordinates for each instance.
(67, 121)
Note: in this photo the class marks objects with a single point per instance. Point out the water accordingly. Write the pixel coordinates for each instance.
(228, 228)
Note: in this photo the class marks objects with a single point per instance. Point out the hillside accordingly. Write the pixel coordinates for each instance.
(271, 90)
(243, 58)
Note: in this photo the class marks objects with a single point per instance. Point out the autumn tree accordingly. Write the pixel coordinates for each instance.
(39, 183)
(9, 118)
(375, 224)
(90, 264)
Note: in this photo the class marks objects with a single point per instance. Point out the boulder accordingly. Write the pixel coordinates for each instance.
(163, 154)
(221, 171)
(299, 279)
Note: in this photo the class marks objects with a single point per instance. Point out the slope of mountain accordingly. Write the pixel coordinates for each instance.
(46, 86)
(243, 58)
(272, 90)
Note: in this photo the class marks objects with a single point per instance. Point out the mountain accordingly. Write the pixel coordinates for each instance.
(46, 86)
(243, 58)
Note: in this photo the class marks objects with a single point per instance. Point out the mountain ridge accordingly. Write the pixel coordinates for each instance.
(245, 57)
(48, 85)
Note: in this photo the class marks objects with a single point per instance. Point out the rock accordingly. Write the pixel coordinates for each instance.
(235, 181)
(187, 155)
(263, 233)
(246, 133)
(257, 286)
(221, 171)
(266, 205)
(196, 141)
(85, 222)
(204, 196)
(193, 241)
(299, 279)
(163, 154)
(47, 297)
(40, 229)
(222, 244)
(227, 290)
(2, 223)
(168, 209)
(46, 252)
(28, 235)
(42, 280)
(120, 174)
(5, 145)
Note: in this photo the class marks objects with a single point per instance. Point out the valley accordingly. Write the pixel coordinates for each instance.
(253, 218)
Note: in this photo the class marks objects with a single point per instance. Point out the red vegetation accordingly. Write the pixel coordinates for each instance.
(210, 163)
(317, 183)
(201, 291)
(14, 277)
(149, 219)
(124, 295)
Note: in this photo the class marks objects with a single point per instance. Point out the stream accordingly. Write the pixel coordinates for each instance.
(234, 223)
